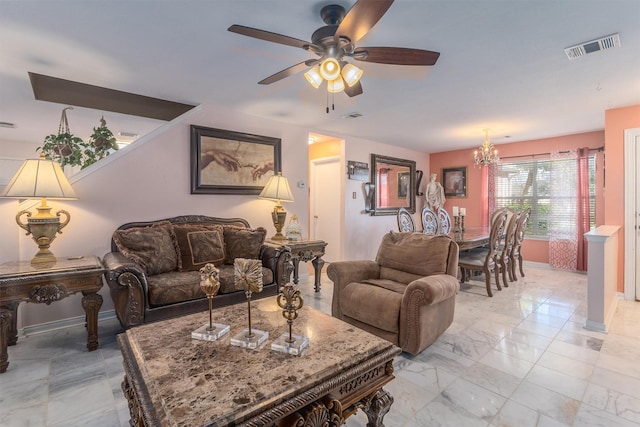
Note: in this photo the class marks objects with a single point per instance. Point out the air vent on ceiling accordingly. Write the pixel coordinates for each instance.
(603, 43)
(7, 125)
(353, 115)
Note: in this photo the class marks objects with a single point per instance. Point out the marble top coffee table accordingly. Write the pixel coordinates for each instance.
(173, 380)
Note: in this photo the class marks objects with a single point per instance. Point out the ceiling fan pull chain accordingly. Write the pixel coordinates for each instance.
(327, 101)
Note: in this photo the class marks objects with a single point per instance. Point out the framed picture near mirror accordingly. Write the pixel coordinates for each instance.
(454, 181)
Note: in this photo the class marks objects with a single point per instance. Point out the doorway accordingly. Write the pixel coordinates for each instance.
(326, 194)
(632, 214)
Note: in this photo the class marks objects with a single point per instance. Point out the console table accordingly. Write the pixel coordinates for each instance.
(173, 380)
(21, 281)
(303, 250)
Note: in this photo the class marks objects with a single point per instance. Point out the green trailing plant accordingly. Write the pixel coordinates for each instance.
(68, 149)
(102, 140)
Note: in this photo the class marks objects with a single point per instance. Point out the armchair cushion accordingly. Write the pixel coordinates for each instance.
(408, 253)
(243, 242)
(199, 245)
(372, 304)
(153, 247)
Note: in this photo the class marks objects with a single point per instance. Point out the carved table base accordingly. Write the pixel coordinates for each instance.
(303, 250)
(21, 281)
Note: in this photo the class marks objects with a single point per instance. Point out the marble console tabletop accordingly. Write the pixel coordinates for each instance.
(192, 383)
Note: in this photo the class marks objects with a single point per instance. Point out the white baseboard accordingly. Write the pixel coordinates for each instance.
(62, 324)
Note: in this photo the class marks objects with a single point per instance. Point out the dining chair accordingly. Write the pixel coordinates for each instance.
(516, 251)
(429, 222)
(485, 259)
(444, 222)
(504, 252)
(405, 221)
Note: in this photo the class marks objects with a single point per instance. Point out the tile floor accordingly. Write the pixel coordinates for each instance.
(519, 359)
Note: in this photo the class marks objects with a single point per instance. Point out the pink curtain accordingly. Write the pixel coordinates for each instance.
(583, 211)
(488, 193)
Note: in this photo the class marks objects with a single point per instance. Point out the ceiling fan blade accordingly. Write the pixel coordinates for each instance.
(396, 55)
(269, 36)
(354, 90)
(284, 73)
(361, 18)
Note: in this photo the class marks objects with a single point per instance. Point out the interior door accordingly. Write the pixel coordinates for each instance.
(326, 207)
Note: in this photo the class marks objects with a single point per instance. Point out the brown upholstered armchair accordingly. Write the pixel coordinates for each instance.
(406, 296)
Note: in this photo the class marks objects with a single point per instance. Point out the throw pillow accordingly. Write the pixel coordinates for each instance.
(198, 245)
(243, 242)
(153, 247)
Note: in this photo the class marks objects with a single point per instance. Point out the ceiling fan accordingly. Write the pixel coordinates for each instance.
(336, 42)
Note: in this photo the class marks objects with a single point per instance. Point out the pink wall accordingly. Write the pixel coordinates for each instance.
(533, 250)
(616, 121)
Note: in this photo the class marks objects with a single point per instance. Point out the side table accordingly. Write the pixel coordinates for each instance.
(20, 281)
(303, 250)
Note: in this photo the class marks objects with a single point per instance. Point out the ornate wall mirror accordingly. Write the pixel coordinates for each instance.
(395, 185)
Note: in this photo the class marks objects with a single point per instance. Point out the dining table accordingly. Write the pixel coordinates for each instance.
(471, 237)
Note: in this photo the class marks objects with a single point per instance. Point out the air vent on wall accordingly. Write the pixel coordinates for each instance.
(603, 43)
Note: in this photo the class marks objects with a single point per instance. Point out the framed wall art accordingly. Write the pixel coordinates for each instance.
(403, 184)
(227, 162)
(454, 181)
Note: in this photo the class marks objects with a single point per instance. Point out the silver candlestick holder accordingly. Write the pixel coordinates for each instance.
(290, 301)
(456, 224)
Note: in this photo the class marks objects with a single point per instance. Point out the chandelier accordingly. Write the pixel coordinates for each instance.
(486, 154)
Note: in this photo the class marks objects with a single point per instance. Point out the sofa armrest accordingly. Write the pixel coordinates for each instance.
(342, 273)
(277, 260)
(128, 287)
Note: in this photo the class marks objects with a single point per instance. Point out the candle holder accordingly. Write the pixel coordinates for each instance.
(462, 222)
(456, 224)
(248, 275)
(290, 301)
(210, 284)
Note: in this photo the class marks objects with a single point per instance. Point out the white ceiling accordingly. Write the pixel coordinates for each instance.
(502, 66)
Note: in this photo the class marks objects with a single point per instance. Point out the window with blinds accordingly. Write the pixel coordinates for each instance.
(522, 184)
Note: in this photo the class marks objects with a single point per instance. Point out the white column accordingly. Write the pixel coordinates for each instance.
(602, 276)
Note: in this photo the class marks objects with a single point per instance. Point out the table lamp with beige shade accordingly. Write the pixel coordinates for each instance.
(277, 188)
(41, 179)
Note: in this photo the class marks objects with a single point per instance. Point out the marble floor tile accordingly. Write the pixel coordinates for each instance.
(615, 381)
(506, 363)
(521, 358)
(547, 402)
(558, 382)
(566, 365)
(514, 414)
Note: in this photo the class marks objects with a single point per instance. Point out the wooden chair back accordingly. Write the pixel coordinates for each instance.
(405, 221)
(429, 222)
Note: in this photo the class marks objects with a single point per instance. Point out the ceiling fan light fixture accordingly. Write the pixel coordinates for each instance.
(313, 77)
(351, 74)
(335, 85)
(330, 69)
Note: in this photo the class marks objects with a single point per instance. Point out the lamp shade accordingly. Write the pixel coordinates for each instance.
(336, 85)
(351, 74)
(313, 77)
(330, 69)
(277, 188)
(38, 178)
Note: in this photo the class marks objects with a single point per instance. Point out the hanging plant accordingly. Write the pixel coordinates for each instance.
(102, 140)
(66, 148)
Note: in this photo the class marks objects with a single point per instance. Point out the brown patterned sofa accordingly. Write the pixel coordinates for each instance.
(153, 267)
(406, 296)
